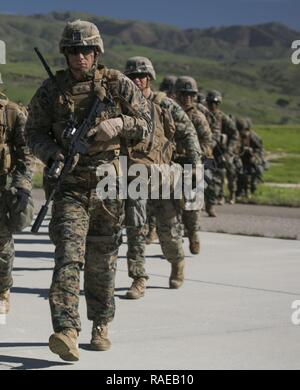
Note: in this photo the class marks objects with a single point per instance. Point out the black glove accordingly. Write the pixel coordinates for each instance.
(21, 200)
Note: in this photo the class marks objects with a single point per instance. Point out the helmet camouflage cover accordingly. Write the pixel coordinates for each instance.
(139, 65)
(214, 97)
(168, 83)
(186, 84)
(240, 123)
(81, 33)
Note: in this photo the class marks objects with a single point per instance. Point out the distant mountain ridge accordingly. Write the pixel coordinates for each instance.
(233, 42)
(250, 65)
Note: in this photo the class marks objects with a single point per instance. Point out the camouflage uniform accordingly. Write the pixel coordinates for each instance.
(225, 152)
(185, 84)
(15, 176)
(252, 157)
(85, 229)
(165, 212)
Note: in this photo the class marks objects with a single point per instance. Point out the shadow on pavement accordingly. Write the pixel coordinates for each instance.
(41, 292)
(32, 269)
(33, 241)
(27, 363)
(33, 254)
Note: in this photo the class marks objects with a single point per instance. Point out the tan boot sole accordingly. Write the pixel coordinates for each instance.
(97, 347)
(59, 347)
(195, 250)
(175, 285)
(134, 296)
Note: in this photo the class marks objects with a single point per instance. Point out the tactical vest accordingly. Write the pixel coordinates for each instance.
(217, 123)
(81, 97)
(157, 147)
(6, 124)
(167, 119)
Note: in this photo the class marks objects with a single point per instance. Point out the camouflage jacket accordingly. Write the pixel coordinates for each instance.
(252, 142)
(15, 159)
(186, 140)
(202, 128)
(208, 115)
(49, 113)
(223, 124)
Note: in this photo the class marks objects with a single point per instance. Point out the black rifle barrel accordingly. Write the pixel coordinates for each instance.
(49, 72)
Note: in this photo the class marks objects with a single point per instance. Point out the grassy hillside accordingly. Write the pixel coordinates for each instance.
(250, 65)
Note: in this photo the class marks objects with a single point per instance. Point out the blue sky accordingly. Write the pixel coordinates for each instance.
(181, 13)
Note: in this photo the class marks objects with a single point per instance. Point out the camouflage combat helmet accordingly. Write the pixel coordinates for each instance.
(139, 65)
(168, 83)
(186, 84)
(81, 33)
(214, 97)
(201, 98)
(248, 123)
(241, 124)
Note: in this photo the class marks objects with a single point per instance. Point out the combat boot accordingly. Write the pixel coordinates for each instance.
(221, 201)
(177, 275)
(151, 236)
(232, 198)
(4, 302)
(100, 340)
(137, 289)
(194, 243)
(210, 210)
(65, 344)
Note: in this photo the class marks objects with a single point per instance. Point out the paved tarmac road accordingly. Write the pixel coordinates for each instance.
(233, 312)
(262, 221)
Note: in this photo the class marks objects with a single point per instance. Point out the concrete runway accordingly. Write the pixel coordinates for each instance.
(233, 312)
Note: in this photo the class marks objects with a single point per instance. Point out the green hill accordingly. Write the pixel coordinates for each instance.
(250, 64)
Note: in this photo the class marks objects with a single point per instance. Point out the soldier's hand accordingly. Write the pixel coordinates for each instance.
(75, 161)
(106, 130)
(21, 199)
(56, 165)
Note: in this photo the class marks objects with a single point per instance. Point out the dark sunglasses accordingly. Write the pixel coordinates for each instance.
(84, 50)
(187, 93)
(137, 76)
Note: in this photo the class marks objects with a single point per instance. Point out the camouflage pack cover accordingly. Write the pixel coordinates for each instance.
(81, 33)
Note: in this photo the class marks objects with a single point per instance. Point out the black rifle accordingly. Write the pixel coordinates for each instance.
(78, 144)
(251, 168)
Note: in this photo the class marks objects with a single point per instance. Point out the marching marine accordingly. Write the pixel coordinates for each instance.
(141, 71)
(16, 205)
(85, 229)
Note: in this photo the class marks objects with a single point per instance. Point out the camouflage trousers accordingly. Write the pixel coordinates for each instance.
(233, 168)
(191, 221)
(86, 231)
(215, 188)
(169, 234)
(151, 221)
(136, 231)
(7, 252)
